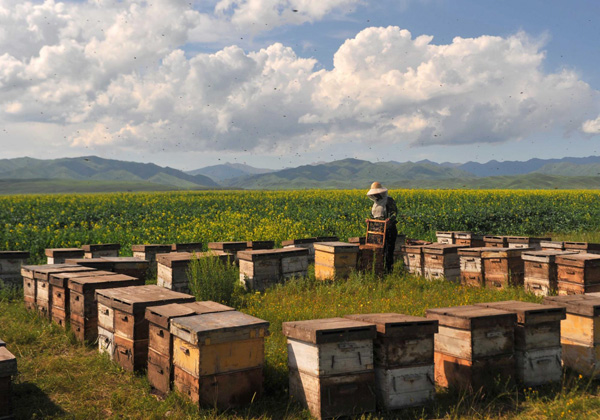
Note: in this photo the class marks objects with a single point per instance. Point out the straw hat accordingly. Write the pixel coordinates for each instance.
(376, 188)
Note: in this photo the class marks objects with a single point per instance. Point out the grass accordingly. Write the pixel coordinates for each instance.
(60, 378)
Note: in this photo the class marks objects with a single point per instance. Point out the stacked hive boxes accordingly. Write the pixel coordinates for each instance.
(583, 247)
(541, 270)
(10, 266)
(101, 250)
(308, 243)
(172, 272)
(231, 248)
(413, 258)
(83, 305)
(148, 252)
(444, 237)
(335, 259)
(8, 368)
(403, 359)
(494, 241)
(441, 261)
(218, 358)
(503, 267)
(471, 267)
(580, 332)
(474, 346)
(526, 242)
(578, 273)
(160, 341)
(469, 239)
(43, 299)
(59, 255)
(187, 247)
(331, 366)
(370, 259)
(126, 315)
(537, 340)
(264, 268)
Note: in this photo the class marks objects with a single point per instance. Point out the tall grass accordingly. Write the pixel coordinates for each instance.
(213, 279)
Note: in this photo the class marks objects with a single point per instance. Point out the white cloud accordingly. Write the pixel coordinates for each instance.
(591, 126)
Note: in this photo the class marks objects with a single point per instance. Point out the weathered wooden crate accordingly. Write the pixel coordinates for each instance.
(264, 268)
(83, 304)
(444, 237)
(331, 365)
(8, 368)
(187, 247)
(471, 266)
(470, 340)
(469, 239)
(441, 261)
(131, 328)
(218, 357)
(578, 273)
(148, 252)
(403, 359)
(584, 247)
(59, 255)
(335, 259)
(537, 340)
(101, 250)
(10, 266)
(552, 245)
(370, 259)
(160, 342)
(495, 241)
(540, 270)
(413, 258)
(172, 272)
(254, 245)
(503, 267)
(525, 242)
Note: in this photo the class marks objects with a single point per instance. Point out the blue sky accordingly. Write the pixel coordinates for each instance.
(255, 81)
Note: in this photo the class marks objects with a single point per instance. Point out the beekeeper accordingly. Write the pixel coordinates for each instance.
(384, 208)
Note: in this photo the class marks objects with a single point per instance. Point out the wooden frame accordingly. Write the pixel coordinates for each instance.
(376, 233)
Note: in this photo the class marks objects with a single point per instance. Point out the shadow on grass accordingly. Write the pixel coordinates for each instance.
(30, 402)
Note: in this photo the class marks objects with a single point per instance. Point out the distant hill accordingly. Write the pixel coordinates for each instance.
(93, 168)
(496, 168)
(570, 169)
(228, 171)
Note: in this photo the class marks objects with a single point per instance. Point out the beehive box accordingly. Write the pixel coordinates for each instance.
(495, 241)
(160, 341)
(541, 270)
(441, 261)
(444, 237)
(83, 304)
(578, 273)
(264, 268)
(471, 266)
(335, 260)
(130, 266)
(474, 346)
(172, 272)
(552, 245)
(29, 283)
(469, 239)
(187, 247)
(59, 255)
(526, 242)
(583, 247)
(370, 259)
(331, 366)
(101, 250)
(148, 252)
(537, 340)
(254, 245)
(10, 266)
(503, 267)
(580, 332)
(95, 263)
(128, 304)
(413, 259)
(218, 358)
(8, 368)
(403, 359)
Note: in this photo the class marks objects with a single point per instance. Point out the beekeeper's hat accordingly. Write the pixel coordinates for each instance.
(376, 188)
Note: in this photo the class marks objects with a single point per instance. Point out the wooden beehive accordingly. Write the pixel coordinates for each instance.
(218, 358)
(101, 250)
(95, 263)
(469, 239)
(444, 237)
(552, 245)
(306, 243)
(335, 260)
(403, 359)
(413, 258)
(370, 259)
(128, 304)
(83, 304)
(8, 368)
(264, 268)
(580, 332)
(471, 266)
(10, 266)
(331, 366)
(537, 340)
(540, 270)
(229, 247)
(160, 341)
(254, 245)
(148, 252)
(583, 247)
(526, 242)
(130, 266)
(59, 255)
(578, 273)
(441, 261)
(474, 346)
(503, 267)
(187, 247)
(173, 268)
(495, 241)
(376, 233)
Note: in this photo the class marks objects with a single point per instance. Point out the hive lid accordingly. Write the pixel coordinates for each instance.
(158, 248)
(528, 312)
(28, 270)
(582, 245)
(398, 325)
(473, 252)
(126, 260)
(44, 273)
(260, 244)
(228, 246)
(442, 249)
(548, 255)
(135, 299)
(469, 317)
(8, 363)
(298, 241)
(262, 254)
(83, 284)
(96, 263)
(220, 327)
(187, 246)
(14, 255)
(336, 247)
(579, 260)
(504, 252)
(161, 315)
(62, 279)
(100, 247)
(585, 305)
(329, 330)
(52, 252)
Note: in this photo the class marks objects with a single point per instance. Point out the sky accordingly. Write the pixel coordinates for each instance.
(281, 83)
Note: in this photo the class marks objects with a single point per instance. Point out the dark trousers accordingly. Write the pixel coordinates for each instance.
(390, 246)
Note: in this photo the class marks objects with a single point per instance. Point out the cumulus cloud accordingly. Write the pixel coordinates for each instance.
(116, 74)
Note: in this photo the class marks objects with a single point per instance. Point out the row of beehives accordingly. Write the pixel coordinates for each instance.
(8, 368)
